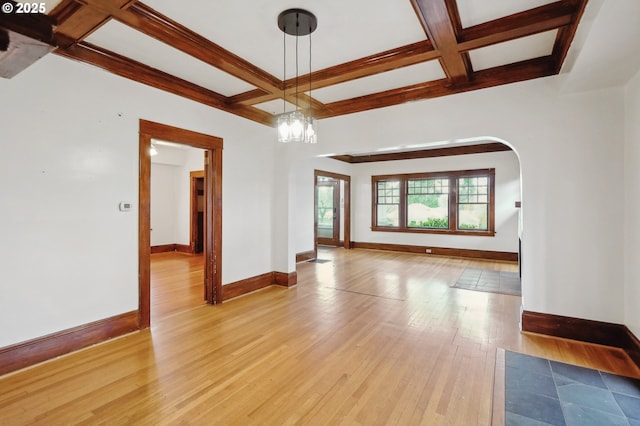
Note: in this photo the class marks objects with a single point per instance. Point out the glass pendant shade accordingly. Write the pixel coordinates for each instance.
(297, 126)
(292, 127)
(283, 128)
(310, 131)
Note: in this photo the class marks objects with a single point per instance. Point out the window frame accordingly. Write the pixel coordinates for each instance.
(453, 177)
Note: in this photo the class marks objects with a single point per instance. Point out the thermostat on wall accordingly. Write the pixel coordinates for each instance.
(125, 207)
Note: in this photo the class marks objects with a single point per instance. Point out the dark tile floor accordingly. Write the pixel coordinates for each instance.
(490, 281)
(543, 392)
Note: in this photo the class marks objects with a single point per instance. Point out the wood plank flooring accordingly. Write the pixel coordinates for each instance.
(369, 338)
(176, 283)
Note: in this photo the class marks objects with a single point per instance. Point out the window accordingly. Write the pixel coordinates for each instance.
(473, 203)
(428, 203)
(388, 203)
(458, 202)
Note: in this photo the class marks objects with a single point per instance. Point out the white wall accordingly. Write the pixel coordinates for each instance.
(164, 203)
(507, 193)
(194, 161)
(302, 199)
(632, 205)
(571, 156)
(68, 156)
(171, 193)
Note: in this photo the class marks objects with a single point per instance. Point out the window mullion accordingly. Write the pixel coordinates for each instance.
(453, 203)
(403, 203)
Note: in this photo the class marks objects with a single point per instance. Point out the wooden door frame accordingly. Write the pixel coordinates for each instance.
(335, 238)
(347, 207)
(213, 210)
(193, 207)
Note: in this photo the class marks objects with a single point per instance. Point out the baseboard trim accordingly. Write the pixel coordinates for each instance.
(590, 331)
(25, 354)
(248, 285)
(167, 248)
(634, 347)
(441, 251)
(238, 288)
(183, 248)
(305, 255)
(164, 248)
(285, 279)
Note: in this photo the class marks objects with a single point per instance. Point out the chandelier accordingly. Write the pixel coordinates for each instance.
(295, 126)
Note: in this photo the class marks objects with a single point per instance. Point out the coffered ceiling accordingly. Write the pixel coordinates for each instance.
(366, 54)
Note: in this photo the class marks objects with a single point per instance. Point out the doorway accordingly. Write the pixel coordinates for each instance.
(197, 209)
(328, 211)
(212, 227)
(332, 208)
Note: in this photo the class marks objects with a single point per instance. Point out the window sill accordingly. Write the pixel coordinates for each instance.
(434, 231)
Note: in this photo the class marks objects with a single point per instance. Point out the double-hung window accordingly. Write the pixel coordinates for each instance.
(457, 202)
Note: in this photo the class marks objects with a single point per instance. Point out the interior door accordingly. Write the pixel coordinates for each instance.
(328, 213)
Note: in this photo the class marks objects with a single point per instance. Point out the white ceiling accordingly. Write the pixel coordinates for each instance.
(474, 12)
(346, 30)
(606, 48)
(350, 30)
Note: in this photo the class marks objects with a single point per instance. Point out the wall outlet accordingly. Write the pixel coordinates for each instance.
(428, 251)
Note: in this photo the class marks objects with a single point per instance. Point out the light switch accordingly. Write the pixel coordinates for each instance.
(125, 206)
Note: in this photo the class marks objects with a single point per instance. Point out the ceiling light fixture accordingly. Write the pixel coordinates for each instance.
(152, 150)
(295, 126)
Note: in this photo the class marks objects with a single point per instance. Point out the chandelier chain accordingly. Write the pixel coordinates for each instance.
(297, 27)
(284, 72)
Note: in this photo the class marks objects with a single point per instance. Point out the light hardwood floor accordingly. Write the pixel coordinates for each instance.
(176, 283)
(368, 338)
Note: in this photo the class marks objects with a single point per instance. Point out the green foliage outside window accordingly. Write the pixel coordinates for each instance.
(432, 222)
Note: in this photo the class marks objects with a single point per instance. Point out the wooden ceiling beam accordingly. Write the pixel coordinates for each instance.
(448, 42)
(566, 34)
(77, 20)
(133, 70)
(533, 21)
(389, 60)
(505, 74)
(150, 22)
(440, 26)
(423, 153)
(305, 101)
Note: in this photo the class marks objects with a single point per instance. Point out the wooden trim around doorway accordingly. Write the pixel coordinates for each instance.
(193, 208)
(213, 232)
(347, 207)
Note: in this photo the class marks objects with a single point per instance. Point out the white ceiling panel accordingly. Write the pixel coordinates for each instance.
(426, 71)
(347, 30)
(513, 51)
(474, 12)
(128, 42)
